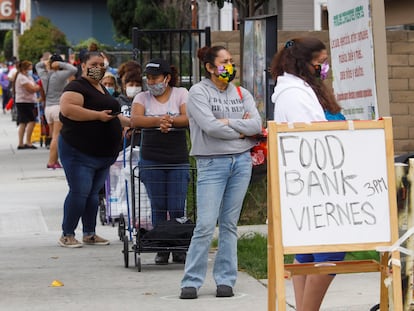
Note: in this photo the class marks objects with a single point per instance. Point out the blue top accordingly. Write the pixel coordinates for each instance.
(334, 117)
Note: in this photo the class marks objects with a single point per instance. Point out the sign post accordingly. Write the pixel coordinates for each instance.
(331, 187)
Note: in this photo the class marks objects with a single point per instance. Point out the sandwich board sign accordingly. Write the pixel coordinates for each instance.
(331, 187)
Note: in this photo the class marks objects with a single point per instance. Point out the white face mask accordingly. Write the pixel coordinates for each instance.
(131, 91)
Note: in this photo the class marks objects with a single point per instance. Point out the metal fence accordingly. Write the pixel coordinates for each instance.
(178, 46)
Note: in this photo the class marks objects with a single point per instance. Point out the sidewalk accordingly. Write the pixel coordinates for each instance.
(95, 277)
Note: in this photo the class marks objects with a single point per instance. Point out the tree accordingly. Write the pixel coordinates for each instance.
(144, 14)
(42, 36)
(8, 45)
(122, 13)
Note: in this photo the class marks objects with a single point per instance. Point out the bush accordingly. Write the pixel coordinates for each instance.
(41, 37)
(254, 209)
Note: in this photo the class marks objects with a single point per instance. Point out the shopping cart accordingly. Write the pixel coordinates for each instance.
(114, 198)
(173, 235)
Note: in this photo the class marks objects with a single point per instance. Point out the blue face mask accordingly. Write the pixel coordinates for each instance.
(30, 72)
(110, 89)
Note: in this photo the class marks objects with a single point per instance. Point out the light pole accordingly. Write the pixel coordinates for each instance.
(16, 30)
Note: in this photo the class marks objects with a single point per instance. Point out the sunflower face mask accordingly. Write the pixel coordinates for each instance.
(226, 73)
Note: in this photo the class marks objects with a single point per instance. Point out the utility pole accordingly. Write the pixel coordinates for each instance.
(16, 29)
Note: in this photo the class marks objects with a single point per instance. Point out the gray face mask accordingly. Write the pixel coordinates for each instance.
(157, 89)
(95, 73)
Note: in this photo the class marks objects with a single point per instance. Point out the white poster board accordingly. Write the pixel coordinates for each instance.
(333, 187)
(352, 58)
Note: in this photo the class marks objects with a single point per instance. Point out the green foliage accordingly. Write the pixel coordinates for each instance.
(254, 209)
(253, 265)
(8, 44)
(42, 36)
(144, 14)
(153, 16)
(362, 255)
(256, 265)
(252, 255)
(122, 13)
(86, 43)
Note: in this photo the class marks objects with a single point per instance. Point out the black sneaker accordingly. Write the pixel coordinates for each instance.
(178, 257)
(162, 258)
(224, 291)
(188, 293)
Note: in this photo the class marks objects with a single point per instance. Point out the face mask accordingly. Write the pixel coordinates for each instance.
(131, 91)
(226, 73)
(110, 89)
(30, 72)
(324, 70)
(95, 73)
(321, 71)
(157, 89)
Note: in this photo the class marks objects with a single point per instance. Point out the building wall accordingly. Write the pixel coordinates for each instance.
(78, 19)
(399, 12)
(400, 47)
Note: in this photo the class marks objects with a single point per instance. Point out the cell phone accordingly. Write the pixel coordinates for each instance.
(115, 113)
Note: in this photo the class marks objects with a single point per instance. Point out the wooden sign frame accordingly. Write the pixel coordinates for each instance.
(278, 271)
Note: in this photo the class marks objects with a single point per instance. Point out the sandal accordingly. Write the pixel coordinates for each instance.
(29, 146)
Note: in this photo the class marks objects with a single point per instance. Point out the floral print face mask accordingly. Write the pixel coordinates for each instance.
(226, 73)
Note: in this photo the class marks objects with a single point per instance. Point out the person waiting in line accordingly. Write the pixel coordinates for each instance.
(109, 82)
(88, 145)
(221, 123)
(24, 90)
(128, 66)
(131, 86)
(158, 112)
(301, 96)
(54, 74)
(5, 87)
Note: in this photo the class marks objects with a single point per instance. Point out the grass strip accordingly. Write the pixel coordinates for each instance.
(252, 255)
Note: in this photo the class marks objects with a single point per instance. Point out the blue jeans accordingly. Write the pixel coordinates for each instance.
(221, 186)
(85, 175)
(166, 187)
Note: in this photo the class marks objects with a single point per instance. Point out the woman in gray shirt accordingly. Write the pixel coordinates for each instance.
(223, 119)
(54, 74)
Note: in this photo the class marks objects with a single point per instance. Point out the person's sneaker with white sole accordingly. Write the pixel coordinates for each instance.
(69, 241)
(94, 240)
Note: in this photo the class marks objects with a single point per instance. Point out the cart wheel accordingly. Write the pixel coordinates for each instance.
(121, 227)
(138, 261)
(102, 210)
(126, 252)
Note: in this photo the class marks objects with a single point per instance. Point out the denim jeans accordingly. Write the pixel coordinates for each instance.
(166, 187)
(85, 175)
(221, 186)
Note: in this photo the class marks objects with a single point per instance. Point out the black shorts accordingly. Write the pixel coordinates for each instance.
(25, 112)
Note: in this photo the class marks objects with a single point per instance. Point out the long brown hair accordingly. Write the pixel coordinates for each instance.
(296, 58)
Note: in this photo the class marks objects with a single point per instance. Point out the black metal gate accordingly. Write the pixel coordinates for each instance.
(178, 46)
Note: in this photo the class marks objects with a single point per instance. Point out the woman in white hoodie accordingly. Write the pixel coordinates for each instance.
(301, 96)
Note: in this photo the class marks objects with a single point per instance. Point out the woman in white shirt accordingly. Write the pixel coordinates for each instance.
(301, 96)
